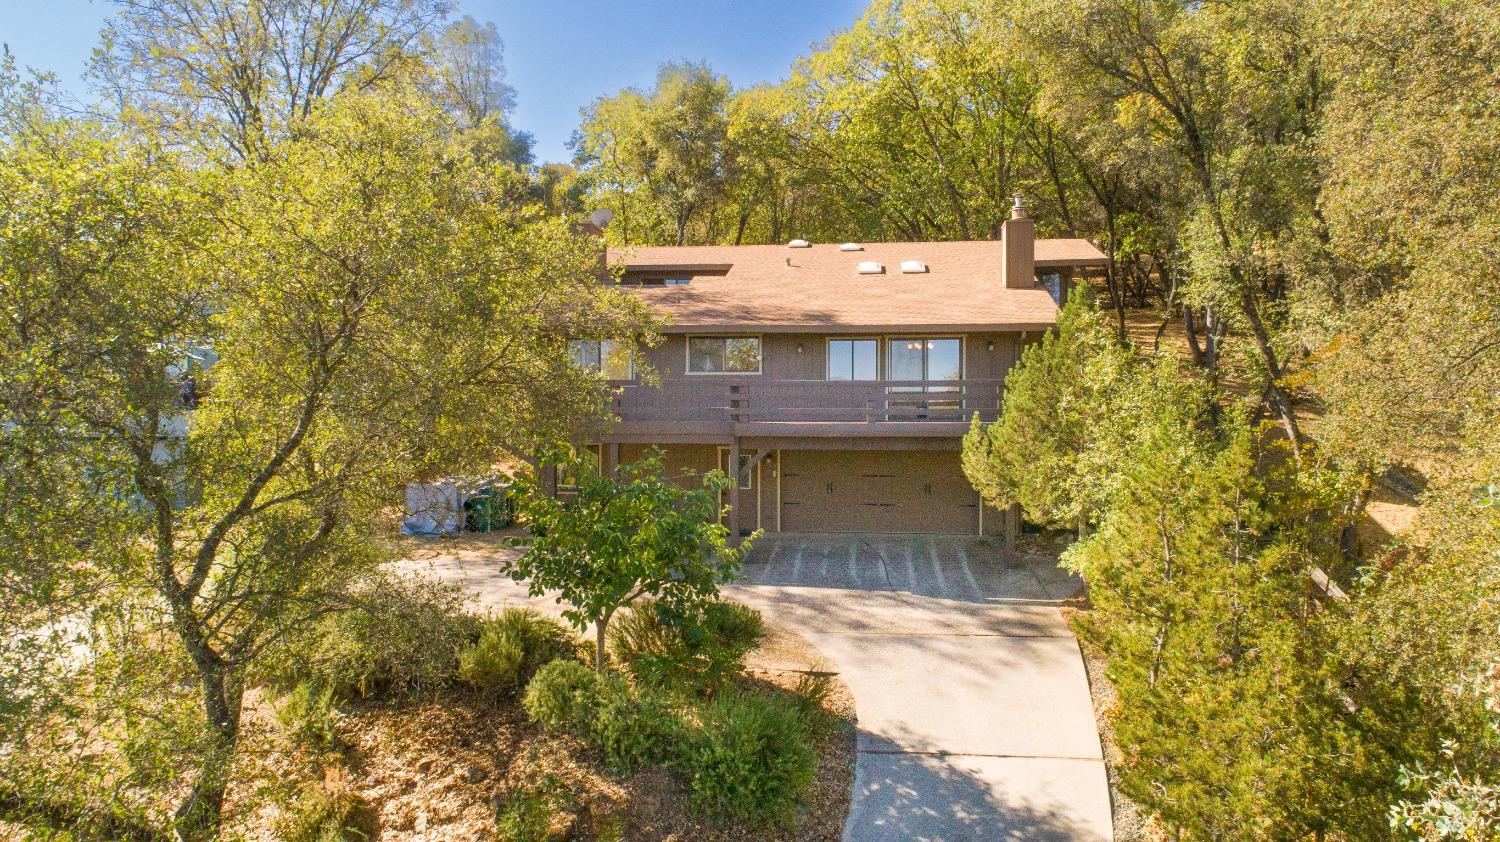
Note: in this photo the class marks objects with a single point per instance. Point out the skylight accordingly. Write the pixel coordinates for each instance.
(870, 267)
(911, 267)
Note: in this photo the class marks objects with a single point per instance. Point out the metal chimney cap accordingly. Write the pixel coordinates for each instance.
(1018, 210)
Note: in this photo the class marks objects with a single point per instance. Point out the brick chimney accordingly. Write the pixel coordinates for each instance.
(1018, 250)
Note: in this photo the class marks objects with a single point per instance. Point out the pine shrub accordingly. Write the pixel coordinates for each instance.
(752, 757)
(635, 727)
(510, 650)
(400, 637)
(306, 714)
(692, 654)
(564, 696)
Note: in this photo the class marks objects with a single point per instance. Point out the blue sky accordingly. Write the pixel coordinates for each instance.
(561, 54)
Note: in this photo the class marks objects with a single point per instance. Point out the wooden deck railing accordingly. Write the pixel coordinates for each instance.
(740, 400)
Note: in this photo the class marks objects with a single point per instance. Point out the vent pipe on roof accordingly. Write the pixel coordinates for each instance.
(1018, 250)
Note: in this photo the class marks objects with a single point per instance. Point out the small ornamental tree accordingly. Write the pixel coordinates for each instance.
(622, 537)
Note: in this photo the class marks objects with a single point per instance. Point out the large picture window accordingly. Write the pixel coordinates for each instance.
(723, 355)
(853, 359)
(924, 359)
(608, 357)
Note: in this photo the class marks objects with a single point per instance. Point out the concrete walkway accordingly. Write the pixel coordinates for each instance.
(975, 721)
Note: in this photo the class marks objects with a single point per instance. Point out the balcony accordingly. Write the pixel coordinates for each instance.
(749, 406)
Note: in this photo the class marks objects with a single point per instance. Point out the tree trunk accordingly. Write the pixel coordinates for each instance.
(1112, 278)
(198, 816)
(1279, 399)
(1192, 334)
(599, 626)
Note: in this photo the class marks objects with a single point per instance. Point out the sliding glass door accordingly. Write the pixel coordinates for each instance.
(921, 358)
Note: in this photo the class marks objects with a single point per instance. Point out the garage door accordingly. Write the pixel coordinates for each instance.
(876, 491)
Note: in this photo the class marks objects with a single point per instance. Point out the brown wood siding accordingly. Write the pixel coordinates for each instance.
(685, 464)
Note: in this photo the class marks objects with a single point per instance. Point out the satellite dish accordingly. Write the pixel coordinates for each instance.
(601, 217)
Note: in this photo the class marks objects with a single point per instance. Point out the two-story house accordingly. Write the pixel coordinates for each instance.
(840, 378)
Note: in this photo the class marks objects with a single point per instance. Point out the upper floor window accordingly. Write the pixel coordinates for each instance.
(853, 359)
(723, 355)
(919, 358)
(610, 358)
(1052, 282)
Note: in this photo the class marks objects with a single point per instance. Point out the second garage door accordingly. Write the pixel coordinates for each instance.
(876, 491)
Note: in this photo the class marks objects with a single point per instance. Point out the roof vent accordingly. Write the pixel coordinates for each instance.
(871, 267)
(912, 267)
(799, 244)
(851, 247)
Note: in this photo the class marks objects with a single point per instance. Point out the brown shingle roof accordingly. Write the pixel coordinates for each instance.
(820, 289)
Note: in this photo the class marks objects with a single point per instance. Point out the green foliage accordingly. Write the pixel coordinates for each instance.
(631, 728)
(659, 159)
(306, 714)
(565, 696)
(336, 378)
(397, 636)
(238, 78)
(697, 653)
(325, 811)
(1056, 406)
(1077, 407)
(511, 648)
(635, 534)
(526, 816)
(752, 757)
(1197, 575)
(635, 727)
(812, 692)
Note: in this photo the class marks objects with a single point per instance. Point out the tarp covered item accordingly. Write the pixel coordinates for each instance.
(433, 508)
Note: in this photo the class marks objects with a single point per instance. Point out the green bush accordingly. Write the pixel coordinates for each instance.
(697, 654)
(306, 714)
(635, 728)
(564, 696)
(630, 727)
(811, 696)
(511, 648)
(752, 757)
(527, 815)
(320, 812)
(400, 636)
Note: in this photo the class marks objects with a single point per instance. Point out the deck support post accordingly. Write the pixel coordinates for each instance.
(549, 480)
(734, 492)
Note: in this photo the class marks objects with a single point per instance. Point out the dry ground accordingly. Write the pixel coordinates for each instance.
(439, 769)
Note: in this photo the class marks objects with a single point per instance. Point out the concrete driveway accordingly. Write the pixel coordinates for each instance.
(975, 720)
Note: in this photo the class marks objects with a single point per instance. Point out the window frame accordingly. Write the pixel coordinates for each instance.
(963, 356)
(564, 485)
(599, 352)
(687, 354)
(879, 362)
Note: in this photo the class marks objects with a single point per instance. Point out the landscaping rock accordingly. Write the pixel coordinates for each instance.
(475, 773)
